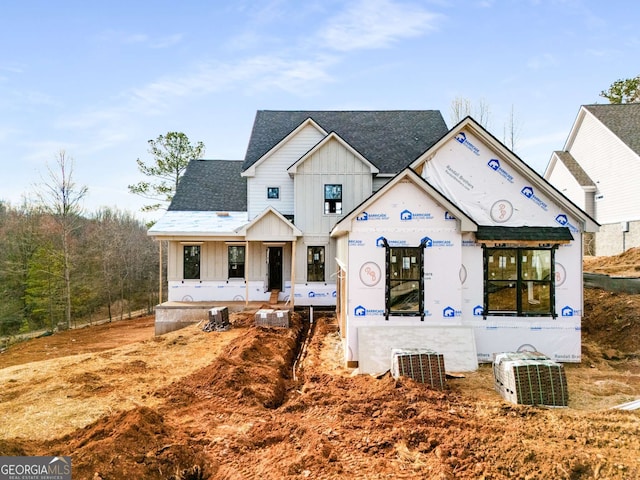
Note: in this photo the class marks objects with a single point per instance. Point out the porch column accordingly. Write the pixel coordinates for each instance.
(246, 272)
(160, 273)
(293, 272)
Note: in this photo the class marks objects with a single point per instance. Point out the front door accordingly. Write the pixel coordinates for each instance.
(274, 255)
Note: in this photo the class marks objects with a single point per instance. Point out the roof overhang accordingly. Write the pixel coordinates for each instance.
(523, 236)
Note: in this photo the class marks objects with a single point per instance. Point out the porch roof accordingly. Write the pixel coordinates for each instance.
(210, 224)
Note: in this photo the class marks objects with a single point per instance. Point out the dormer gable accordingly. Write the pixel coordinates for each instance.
(309, 123)
(332, 137)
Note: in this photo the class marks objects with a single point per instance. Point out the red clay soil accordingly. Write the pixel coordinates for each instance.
(249, 414)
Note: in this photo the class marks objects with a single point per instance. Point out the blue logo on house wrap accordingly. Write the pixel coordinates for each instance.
(564, 221)
(448, 216)
(364, 216)
(408, 215)
(430, 242)
(529, 193)
(391, 243)
(450, 312)
(360, 311)
(462, 138)
(313, 294)
(567, 311)
(478, 311)
(494, 164)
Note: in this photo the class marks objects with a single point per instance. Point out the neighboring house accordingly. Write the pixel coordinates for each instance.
(244, 231)
(418, 235)
(599, 170)
(468, 252)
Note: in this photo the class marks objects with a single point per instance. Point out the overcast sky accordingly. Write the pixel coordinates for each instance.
(98, 79)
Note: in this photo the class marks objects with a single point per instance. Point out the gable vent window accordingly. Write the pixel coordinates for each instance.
(333, 199)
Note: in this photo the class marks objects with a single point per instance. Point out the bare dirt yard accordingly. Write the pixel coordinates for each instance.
(270, 403)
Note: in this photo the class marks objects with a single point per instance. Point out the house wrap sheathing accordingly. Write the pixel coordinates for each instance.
(467, 252)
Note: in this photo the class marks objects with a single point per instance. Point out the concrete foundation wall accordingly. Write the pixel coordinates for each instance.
(169, 319)
(456, 343)
(612, 240)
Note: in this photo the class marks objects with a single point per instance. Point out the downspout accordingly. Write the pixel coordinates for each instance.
(293, 271)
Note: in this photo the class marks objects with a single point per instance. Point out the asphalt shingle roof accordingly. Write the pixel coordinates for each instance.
(575, 169)
(211, 185)
(545, 234)
(389, 139)
(622, 119)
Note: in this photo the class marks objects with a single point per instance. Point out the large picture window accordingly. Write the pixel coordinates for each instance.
(191, 264)
(519, 281)
(236, 261)
(315, 264)
(404, 281)
(333, 199)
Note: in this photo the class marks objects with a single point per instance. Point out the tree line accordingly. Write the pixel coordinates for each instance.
(112, 268)
(59, 266)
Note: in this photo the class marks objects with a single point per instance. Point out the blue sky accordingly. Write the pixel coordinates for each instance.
(98, 79)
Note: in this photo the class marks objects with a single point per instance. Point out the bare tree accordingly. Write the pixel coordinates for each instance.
(62, 198)
(511, 130)
(462, 107)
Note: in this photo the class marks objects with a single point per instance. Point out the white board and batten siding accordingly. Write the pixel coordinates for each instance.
(272, 172)
(612, 165)
(330, 164)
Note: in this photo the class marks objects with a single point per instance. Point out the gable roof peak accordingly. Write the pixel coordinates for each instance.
(389, 139)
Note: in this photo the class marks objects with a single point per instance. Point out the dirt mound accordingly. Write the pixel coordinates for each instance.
(626, 264)
(612, 320)
(252, 370)
(138, 443)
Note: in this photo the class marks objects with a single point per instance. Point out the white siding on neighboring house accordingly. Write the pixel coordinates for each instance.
(610, 164)
(564, 180)
(272, 172)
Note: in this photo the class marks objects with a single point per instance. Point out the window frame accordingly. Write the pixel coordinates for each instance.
(419, 253)
(271, 190)
(520, 283)
(313, 265)
(232, 270)
(332, 204)
(194, 272)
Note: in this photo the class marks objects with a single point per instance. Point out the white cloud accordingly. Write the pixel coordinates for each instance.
(541, 61)
(125, 38)
(376, 24)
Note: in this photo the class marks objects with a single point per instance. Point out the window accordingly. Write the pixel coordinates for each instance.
(315, 264)
(236, 261)
(191, 265)
(404, 282)
(273, 193)
(519, 281)
(333, 199)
